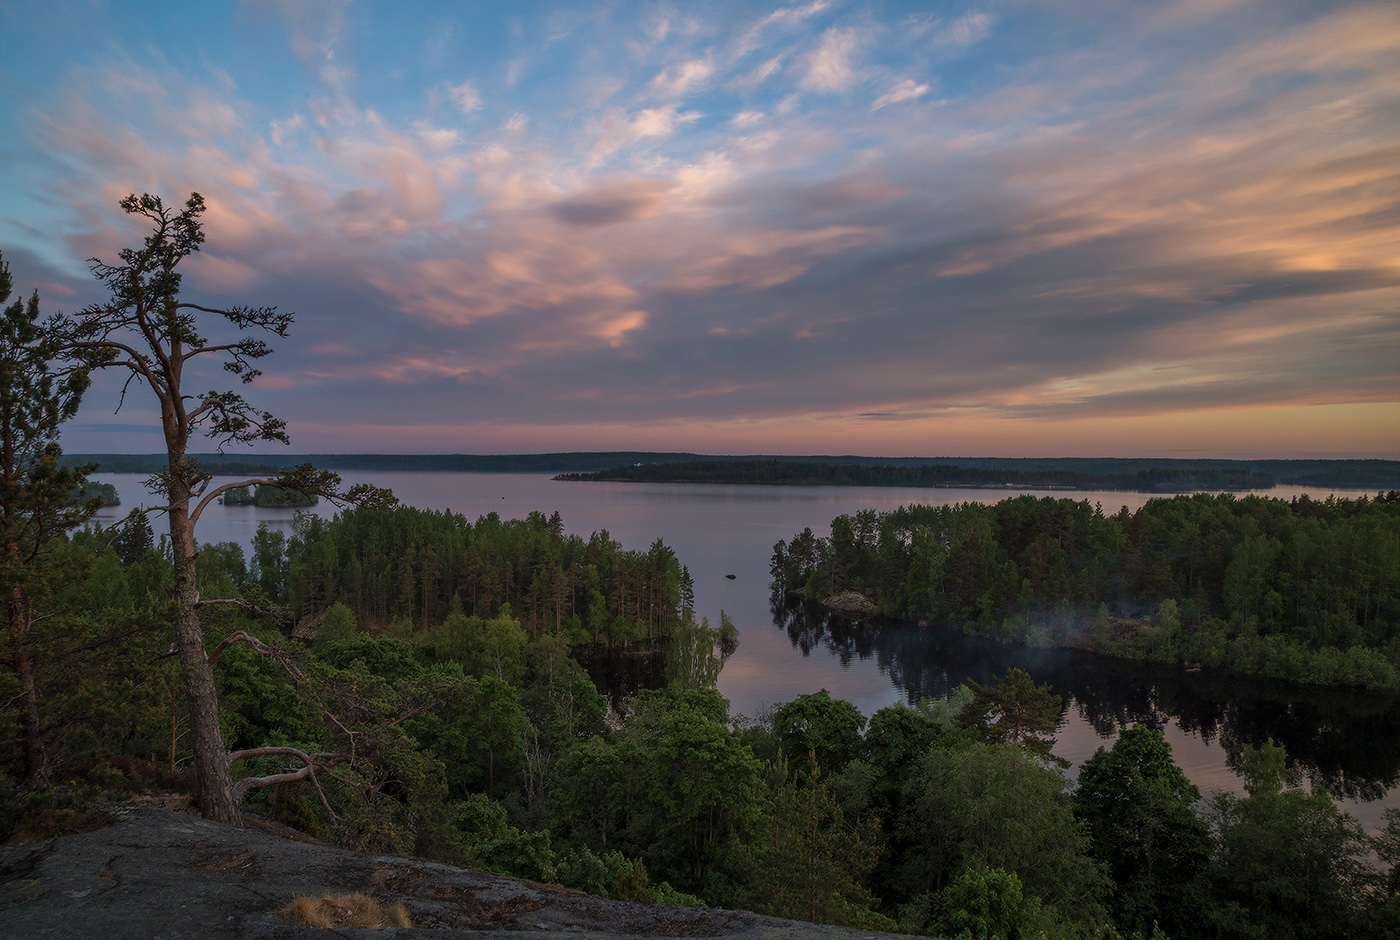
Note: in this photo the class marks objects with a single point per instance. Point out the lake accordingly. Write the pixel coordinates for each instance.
(1346, 741)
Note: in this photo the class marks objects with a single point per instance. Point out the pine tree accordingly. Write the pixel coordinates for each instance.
(146, 329)
(1014, 711)
(38, 493)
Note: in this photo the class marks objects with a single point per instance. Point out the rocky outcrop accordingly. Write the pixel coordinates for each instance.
(306, 628)
(154, 873)
(851, 604)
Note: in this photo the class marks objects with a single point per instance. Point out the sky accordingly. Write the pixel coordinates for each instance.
(992, 228)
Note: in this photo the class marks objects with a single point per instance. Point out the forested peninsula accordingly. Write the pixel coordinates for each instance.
(1301, 589)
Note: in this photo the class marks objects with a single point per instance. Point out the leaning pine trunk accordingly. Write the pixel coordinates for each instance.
(211, 765)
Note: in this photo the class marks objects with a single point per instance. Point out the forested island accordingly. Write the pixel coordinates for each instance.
(104, 493)
(1302, 589)
(264, 495)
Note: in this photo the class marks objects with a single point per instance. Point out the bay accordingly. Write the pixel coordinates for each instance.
(1343, 740)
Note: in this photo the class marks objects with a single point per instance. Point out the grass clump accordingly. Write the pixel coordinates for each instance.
(332, 912)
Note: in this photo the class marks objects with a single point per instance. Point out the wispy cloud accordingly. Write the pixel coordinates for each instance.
(907, 90)
(967, 29)
(829, 67)
(618, 130)
(675, 82)
(464, 96)
(1080, 232)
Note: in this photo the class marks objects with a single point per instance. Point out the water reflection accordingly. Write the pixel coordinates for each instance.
(1340, 740)
(623, 671)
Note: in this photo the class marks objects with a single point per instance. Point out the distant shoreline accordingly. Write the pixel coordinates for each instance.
(1165, 480)
(1167, 475)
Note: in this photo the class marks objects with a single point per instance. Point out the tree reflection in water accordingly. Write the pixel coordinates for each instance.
(1337, 739)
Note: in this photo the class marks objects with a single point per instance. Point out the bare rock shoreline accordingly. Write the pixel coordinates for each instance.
(155, 874)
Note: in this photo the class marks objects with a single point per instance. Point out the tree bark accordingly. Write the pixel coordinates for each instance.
(36, 758)
(211, 765)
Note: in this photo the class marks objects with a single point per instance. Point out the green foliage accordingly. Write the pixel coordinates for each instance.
(1288, 864)
(104, 493)
(583, 871)
(563, 703)
(808, 861)
(649, 707)
(497, 647)
(476, 727)
(987, 904)
(1264, 770)
(133, 537)
(816, 724)
(220, 569)
(1388, 849)
(420, 568)
(40, 499)
(704, 790)
(337, 624)
(385, 657)
(595, 786)
(269, 563)
(259, 705)
(1014, 711)
(1141, 814)
(264, 495)
(494, 844)
(896, 740)
(994, 806)
(698, 651)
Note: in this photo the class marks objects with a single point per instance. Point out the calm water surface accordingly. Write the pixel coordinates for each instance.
(1347, 742)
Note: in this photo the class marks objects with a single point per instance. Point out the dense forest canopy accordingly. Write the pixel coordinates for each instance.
(415, 567)
(1299, 589)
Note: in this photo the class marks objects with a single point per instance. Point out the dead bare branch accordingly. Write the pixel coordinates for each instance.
(305, 772)
(271, 652)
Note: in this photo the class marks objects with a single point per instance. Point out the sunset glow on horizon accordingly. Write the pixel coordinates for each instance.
(902, 229)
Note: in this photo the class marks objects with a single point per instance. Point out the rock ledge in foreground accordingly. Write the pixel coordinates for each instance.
(154, 874)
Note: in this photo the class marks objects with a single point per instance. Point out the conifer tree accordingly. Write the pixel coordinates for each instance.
(146, 329)
(38, 494)
(1015, 711)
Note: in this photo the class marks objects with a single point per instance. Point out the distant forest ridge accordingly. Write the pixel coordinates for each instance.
(1145, 474)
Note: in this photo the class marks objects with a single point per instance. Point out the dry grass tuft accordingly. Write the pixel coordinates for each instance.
(346, 910)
